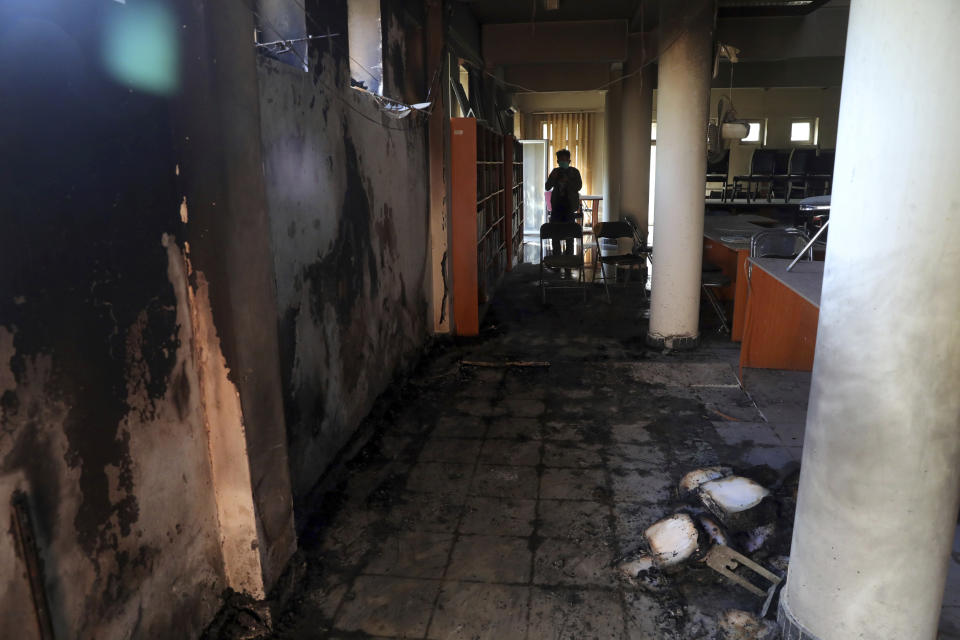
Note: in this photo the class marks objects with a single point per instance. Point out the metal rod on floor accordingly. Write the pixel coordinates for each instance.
(809, 244)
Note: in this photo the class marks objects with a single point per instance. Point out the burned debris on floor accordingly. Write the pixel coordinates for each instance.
(488, 499)
(721, 517)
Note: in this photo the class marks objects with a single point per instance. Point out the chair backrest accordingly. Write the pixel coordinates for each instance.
(763, 162)
(823, 162)
(561, 231)
(778, 243)
(800, 161)
(614, 229)
(639, 238)
(781, 161)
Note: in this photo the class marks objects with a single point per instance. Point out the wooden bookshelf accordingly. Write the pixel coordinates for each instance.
(485, 212)
(513, 164)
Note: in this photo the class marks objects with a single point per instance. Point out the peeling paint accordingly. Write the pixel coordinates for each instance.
(184, 214)
(223, 421)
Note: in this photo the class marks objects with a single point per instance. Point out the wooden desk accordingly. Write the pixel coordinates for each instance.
(726, 243)
(595, 206)
(783, 309)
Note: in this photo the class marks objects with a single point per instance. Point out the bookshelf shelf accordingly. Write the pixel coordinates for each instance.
(486, 214)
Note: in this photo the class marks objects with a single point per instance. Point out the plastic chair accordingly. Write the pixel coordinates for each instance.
(633, 258)
(570, 232)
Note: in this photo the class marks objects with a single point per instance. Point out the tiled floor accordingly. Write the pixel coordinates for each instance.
(510, 526)
(496, 502)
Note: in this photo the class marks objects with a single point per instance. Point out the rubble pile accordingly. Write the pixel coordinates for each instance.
(726, 527)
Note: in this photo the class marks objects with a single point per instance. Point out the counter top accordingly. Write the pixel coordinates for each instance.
(805, 279)
(735, 232)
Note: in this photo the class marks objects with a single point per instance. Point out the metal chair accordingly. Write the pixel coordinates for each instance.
(713, 278)
(717, 173)
(820, 173)
(796, 180)
(779, 243)
(763, 166)
(570, 232)
(635, 257)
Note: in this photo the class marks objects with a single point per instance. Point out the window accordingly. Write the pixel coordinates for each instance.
(801, 131)
(467, 86)
(365, 42)
(465, 81)
(754, 135)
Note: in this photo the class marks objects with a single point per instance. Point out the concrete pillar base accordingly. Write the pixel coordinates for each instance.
(677, 343)
(790, 628)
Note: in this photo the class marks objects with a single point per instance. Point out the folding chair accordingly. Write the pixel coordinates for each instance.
(570, 232)
(712, 278)
(636, 257)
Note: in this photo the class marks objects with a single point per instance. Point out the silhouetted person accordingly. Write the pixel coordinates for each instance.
(564, 184)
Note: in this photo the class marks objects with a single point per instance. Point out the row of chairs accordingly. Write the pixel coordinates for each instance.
(790, 172)
(572, 232)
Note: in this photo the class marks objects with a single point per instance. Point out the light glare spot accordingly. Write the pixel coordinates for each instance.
(139, 47)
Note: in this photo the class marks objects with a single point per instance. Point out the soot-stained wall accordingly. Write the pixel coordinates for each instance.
(100, 417)
(347, 191)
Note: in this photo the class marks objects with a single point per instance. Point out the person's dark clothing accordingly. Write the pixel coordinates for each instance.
(564, 201)
(565, 194)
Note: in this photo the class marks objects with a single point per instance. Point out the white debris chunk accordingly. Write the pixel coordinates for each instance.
(731, 499)
(733, 494)
(672, 539)
(698, 476)
(741, 625)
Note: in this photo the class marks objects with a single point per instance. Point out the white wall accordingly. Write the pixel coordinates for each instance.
(779, 107)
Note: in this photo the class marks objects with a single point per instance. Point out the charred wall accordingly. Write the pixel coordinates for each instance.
(347, 188)
(100, 419)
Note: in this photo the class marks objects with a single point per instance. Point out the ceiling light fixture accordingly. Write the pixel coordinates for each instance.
(551, 5)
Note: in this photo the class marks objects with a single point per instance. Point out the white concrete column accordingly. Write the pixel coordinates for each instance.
(635, 145)
(683, 95)
(880, 480)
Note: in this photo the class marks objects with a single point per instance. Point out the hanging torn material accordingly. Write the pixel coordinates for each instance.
(398, 110)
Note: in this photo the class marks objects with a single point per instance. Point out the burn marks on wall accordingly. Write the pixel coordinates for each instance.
(349, 314)
(90, 338)
(345, 272)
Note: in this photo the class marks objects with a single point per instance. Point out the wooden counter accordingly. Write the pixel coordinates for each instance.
(782, 311)
(726, 243)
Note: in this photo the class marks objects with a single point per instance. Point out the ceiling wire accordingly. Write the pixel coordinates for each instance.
(346, 52)
(323, 28)
(336, 94)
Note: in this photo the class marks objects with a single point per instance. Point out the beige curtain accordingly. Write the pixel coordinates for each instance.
(572, 131)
